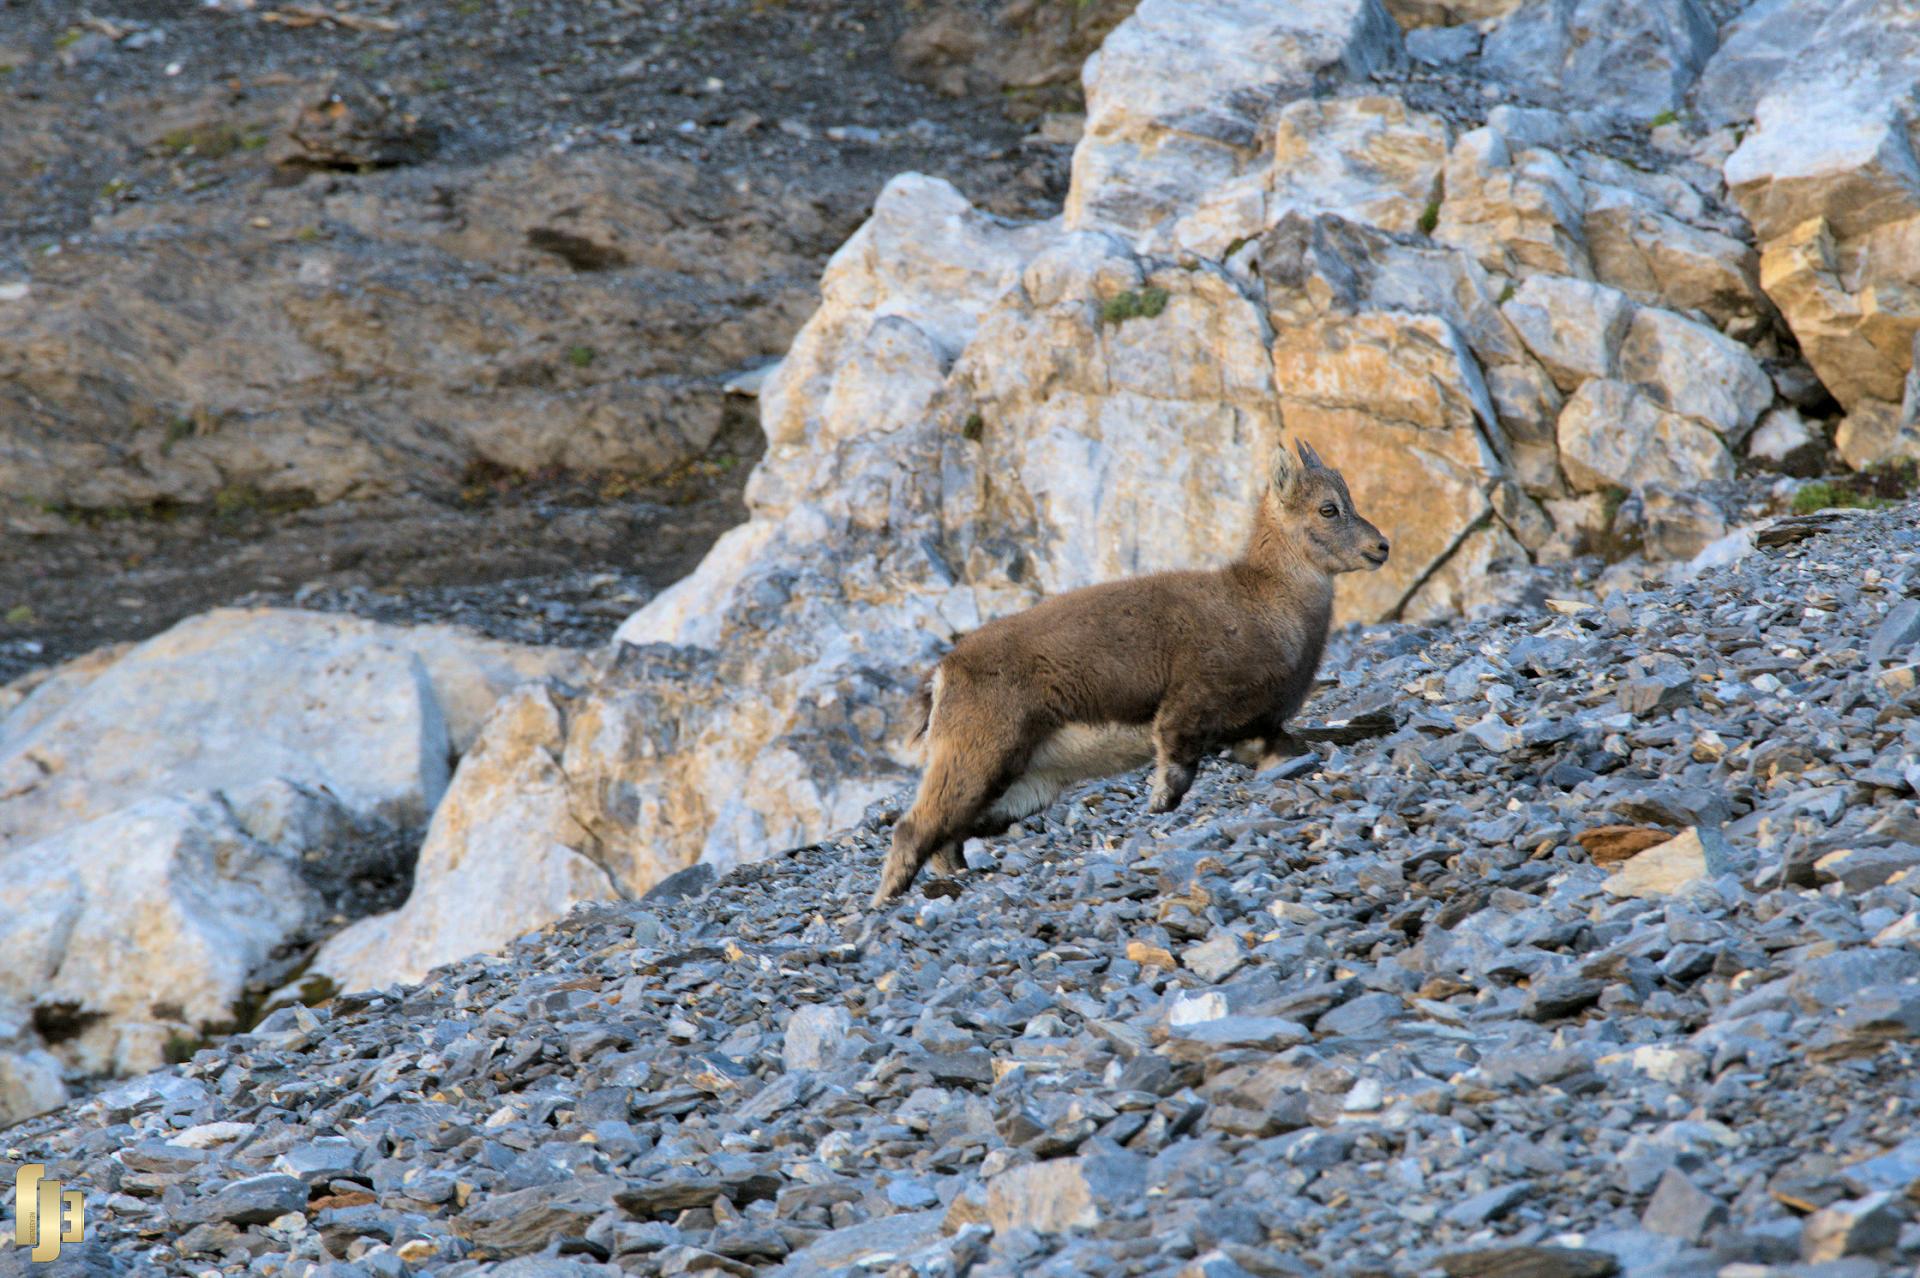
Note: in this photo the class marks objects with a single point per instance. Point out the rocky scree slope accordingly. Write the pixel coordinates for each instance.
(1582, 944)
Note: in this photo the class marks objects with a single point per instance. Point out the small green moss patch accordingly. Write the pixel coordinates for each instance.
(1146, 303)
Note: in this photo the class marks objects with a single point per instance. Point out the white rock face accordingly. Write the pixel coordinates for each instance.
(1705, 374)
(1641, 55)
(1829, 178)
(151, 917)
(234, 698)
(1573, 327)
(170, 805)
(1181, 95)
(501, 857)
(1368, 159)
(1614, 435)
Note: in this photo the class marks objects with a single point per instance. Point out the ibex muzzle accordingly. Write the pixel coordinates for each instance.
(1100, 680)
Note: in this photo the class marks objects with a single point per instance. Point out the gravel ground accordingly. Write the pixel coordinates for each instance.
(1580, 943)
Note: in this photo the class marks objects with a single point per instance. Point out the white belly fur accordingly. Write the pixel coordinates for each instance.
(1077, 752)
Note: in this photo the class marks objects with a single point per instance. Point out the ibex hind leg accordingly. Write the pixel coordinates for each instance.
(952, 796)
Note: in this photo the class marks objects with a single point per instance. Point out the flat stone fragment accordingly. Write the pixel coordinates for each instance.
(255, 1200)
(1858, 1226)
(1680, 1209)
(1201, 1039)
(1064, 1193)
(1694, 854)
(814, 1032)
(1529, 1262)
(1899, 632)
(1470, 1213)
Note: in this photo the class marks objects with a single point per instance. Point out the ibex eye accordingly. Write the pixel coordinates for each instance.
(1329, 510)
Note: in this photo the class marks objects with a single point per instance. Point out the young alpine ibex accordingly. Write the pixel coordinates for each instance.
(1100, 680)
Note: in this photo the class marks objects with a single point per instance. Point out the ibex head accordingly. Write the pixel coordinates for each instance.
(1308, 502)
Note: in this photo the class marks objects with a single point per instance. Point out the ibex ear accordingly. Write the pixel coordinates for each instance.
(1282, 473)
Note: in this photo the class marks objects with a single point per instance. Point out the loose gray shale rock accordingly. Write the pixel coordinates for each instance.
(1444, 1046)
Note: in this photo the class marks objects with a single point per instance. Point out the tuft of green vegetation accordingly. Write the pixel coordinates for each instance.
(68, 38)
(1879, 486)
(177, 429)
(1506, 294)
(580, 356)
(115, 186)
(234, 500)
(20, 615)
(437, 84)
(208, 141)
(253, 141)
(307, 234)
(974, 427)
(1668, 116)
(1822, 495)
(1430, 217)
(1146, 303)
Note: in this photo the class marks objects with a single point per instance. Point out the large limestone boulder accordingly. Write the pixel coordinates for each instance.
(1853, 304)
(180, 811)
(1515, 207)
(370, 715)
(143, 925)
(1829, 178)
(1573, 327)
(1614, 434)
(1702, 373)
(1181, 97)
(503, 856)
(1640, 248)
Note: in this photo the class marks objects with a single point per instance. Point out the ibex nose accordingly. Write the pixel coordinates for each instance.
(1384, 548)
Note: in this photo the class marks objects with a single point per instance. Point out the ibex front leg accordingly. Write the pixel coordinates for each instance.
(1180, 736)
